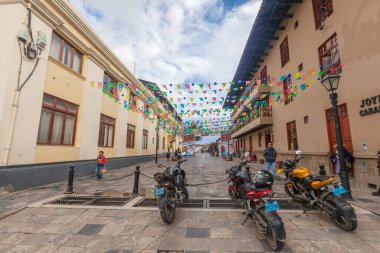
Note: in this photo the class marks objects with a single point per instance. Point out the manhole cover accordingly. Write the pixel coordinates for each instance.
(222, 203)
(89, 201)
(216, 204)
(189, 203)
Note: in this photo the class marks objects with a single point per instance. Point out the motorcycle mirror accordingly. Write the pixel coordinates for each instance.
(298, 152)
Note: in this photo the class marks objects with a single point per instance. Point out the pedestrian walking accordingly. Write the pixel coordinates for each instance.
(270, 156)
(348, 158)
(168, 155)
(100, 164)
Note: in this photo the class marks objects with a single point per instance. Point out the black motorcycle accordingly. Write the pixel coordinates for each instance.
(170, 190)
(255, 195)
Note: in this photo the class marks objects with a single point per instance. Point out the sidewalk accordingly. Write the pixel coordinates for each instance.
(39, 228)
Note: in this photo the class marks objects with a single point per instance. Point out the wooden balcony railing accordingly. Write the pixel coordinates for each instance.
(265, 112)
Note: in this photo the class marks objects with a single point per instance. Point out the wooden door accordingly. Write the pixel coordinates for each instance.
(267, 137)
(250, 145)
(345, 127)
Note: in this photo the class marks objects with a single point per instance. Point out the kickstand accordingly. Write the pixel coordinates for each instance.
(245, 220)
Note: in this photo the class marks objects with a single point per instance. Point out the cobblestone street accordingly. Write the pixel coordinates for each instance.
(27, 225)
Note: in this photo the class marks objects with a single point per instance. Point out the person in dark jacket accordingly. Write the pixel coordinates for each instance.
(168, 155)
(270, 156)
(348, 158)
(377, 193)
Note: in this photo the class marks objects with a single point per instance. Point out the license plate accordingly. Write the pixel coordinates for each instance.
(159, 191)
(271, 206)
(339, 190)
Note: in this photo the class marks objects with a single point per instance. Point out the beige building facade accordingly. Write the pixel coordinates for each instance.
(294, 38)
(68, 108)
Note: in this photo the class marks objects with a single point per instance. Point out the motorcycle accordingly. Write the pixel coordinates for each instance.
(319, 191)
(170, 190)
(255, 196)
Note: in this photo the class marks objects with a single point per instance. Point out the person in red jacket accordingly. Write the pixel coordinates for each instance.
(100, 164)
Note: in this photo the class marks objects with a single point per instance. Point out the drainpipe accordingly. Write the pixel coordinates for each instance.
(15, 104)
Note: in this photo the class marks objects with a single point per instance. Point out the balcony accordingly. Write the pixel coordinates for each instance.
(257, 90)
(260, 121)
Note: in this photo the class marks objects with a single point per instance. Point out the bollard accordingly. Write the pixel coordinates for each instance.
(322, 170)
(136, 184)
(70, 181)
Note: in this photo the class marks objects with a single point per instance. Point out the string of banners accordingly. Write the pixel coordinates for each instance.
(262, 103)
(259, 100)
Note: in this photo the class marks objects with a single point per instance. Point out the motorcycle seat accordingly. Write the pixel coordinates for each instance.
(257, 189)
(321, 177)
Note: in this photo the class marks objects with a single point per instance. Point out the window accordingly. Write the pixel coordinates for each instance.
(145, 139)
(287, 85)
(329, 56)
(284, 51)
(131, 129)
(111, 84)
(300, 67)
(62, 51)
(57, 122)
(292, 135)
(106, 131)
(322, 10)
(163, 142)
(260, 135)
(132, 100)
(306, 119)
(264, 75)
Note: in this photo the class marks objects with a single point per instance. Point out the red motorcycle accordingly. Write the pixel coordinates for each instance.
(255, 196)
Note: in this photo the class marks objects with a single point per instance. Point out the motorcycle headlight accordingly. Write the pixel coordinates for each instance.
(159, 177)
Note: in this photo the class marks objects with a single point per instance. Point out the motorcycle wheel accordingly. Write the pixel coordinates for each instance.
(297, 197)
(167, 212)
(341, 218)
(272, 233)
(232, 195)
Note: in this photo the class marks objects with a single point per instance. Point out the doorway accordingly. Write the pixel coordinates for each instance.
(346, 132)
(267, 137)
(250, 145)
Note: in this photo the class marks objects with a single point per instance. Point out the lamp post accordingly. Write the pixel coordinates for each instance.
(156, 160)
(331, 82)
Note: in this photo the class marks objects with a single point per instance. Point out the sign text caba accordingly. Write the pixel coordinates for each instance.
(370, 106)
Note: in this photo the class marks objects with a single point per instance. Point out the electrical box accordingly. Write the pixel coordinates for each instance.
(23, 35)
(41, 40)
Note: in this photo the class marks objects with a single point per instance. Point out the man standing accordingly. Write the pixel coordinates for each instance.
(377, 193)
(270, 155)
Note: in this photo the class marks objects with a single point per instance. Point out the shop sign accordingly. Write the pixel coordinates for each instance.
(370, 106)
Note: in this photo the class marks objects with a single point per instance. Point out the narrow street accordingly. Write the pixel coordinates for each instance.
(37, 227)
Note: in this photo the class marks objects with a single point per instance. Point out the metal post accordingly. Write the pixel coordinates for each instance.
(339, 141)
(70, 181)
(136, 183)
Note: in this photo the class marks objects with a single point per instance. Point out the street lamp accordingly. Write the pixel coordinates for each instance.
(331, 82)
(157, 143)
